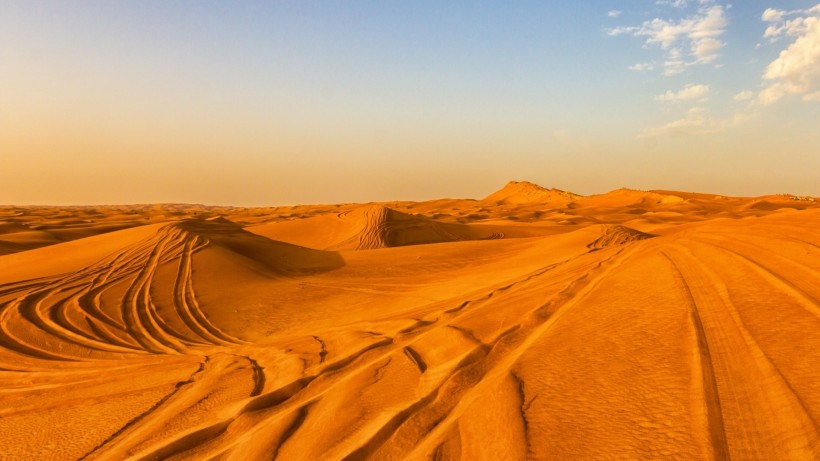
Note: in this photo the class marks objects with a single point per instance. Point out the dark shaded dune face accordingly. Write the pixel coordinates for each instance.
(275, 257)
(774, 205)
(616, 236)
(382, 227)
(621, 327)
(369, 227)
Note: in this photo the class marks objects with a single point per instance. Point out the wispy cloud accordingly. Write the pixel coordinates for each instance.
(743, 96)
(796, 71)
(684, 42)
(614, 13)
(643, 67)
(788, 23)
(681, 3)
(812, 96)
(689, 92)
(673, 3)
(697, 121)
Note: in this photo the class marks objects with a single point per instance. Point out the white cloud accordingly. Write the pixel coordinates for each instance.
(674, 63)
(643, 67)
(788, 28)
(685, 42)
(689, 92)
(614, 13)
(698, 121)
(781, 26)
(674, 3)
(743, 96)
(773, 15)
(706, 50)
(621, 30)
(796, 70)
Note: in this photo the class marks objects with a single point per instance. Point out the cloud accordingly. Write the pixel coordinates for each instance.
(643, 67)
(781, 26)
(674, 63)
(706, 50)
(743, 96)
(685, 42)
(698, 121)
(689, 92)
(614, 13)
(673, 3)
(773, 15)
(796, 70)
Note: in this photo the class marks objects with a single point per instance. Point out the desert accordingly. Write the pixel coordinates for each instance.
(531, 324)
(409, 230)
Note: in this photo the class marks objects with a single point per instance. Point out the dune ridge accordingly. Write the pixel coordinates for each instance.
(382, 227)
(618, 235)
(370, 227)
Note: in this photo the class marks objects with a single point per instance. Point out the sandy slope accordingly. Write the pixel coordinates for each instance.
(529, 325)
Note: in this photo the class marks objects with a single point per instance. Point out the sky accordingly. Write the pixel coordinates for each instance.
(298, 102)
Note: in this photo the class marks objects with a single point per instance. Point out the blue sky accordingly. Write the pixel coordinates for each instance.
(263, 103)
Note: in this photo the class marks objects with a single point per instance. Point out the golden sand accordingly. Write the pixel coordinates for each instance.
(534, 324)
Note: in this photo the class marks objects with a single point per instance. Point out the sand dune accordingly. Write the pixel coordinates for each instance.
(533, 324)
(617, 235)
(370, 227)
(517, 192)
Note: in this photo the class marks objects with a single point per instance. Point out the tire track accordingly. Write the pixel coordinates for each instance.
(138, 320)
(472, 368)
(766, 418)
(714, 411)
(185, 301)
(800, 296)
(69, 309)
(144, 438)
(310, 389)
(521, 338)
(480, 362)
(135, 420)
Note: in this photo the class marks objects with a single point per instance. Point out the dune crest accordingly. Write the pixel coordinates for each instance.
(618, 235)
(377, 226)
(369, 227)
(626, 197)
(518, 192)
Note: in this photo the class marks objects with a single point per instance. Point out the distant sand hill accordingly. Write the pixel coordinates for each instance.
(516, 192)
(369, 227)
(531, 324)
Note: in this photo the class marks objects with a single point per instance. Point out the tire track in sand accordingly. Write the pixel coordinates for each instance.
(714, 412)
(763, 417)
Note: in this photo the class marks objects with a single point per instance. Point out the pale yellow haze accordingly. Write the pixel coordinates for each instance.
(269, 104)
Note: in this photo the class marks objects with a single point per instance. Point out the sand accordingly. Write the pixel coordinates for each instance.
(533, 324)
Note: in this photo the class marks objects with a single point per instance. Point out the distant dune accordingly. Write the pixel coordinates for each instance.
(516, 192)
(532, 324)
(370, 227)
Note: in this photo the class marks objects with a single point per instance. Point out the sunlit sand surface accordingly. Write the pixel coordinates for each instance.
(533, 324)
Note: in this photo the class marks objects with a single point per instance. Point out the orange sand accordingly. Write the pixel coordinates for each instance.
(534, 324)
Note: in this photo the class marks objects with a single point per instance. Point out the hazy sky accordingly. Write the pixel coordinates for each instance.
(266, 103)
